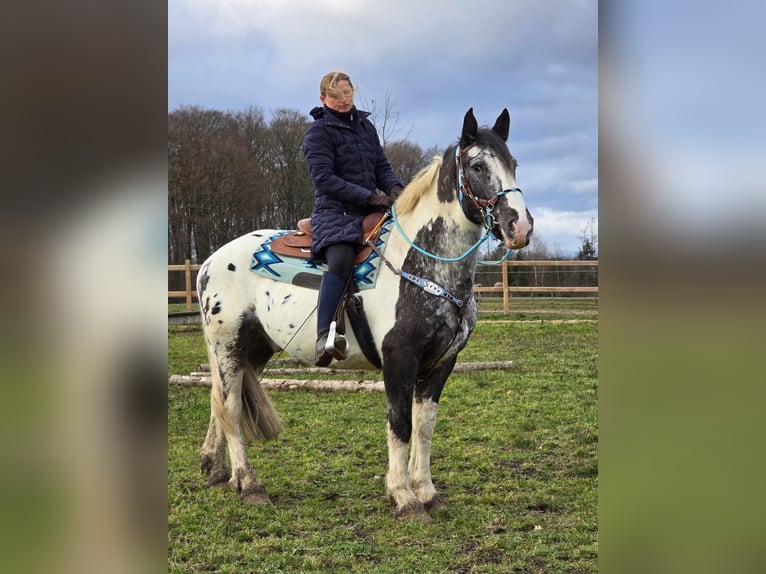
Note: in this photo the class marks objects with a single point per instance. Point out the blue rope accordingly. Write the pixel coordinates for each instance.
(447, 259)
(499, 261)
(431, 255)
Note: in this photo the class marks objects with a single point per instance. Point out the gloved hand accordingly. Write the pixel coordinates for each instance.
(396, 191)
(380, 200)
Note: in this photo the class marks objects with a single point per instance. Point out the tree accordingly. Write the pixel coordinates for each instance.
(385, 118)
(232, 172)
(589, 237)
(290, 193)
(407, 159)
(211, 178)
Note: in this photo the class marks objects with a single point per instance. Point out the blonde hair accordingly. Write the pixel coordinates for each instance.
(327, 87)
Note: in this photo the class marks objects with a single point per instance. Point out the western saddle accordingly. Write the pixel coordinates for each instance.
(298, 243)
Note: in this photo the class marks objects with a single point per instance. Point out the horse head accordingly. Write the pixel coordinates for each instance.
(485, 181)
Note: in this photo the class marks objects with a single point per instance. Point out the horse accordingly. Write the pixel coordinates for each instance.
(420, 313)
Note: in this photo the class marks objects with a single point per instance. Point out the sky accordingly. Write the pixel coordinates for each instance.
(434, 60)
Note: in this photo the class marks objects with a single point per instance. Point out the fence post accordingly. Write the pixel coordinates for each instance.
(188, 285)
(504, 268)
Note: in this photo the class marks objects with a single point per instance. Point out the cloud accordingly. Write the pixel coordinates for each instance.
(436, 59)
(561, 230)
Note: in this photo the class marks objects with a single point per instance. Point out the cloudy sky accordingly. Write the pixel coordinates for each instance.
(435, 59)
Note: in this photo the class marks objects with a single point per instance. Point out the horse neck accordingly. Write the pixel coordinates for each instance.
(438, 225)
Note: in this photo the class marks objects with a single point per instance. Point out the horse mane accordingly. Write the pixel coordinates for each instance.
(421, 183)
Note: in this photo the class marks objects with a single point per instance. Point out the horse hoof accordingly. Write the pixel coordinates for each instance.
(217, 473)
(256, 497)
(413, 511)
(220, 479)
(435, 504)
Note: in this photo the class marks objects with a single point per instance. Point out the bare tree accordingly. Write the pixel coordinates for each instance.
(385, 118)
(210, 171)
(407, 159)
(290, 194)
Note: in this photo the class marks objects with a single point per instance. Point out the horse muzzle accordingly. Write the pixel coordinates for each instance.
(519, 231)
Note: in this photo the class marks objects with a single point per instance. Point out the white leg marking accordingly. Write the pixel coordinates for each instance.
(397, 481)
(423, 422)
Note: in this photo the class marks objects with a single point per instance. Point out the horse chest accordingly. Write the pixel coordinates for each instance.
(430, 328)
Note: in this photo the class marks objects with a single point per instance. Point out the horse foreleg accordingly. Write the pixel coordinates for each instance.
(423, 422)
(397, 481)
(424, 413)
(399, 431)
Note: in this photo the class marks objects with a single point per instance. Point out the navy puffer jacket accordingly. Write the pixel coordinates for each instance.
(347, 164)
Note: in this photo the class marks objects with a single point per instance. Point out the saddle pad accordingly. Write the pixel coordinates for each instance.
(309, 273)
(298, 244)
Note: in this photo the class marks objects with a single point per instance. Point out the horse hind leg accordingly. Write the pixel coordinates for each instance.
(242, 411)
(213, 454)
(213, 451)
(226, 403)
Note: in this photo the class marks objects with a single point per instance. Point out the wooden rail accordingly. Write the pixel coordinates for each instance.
(190, 295)
(190, 292)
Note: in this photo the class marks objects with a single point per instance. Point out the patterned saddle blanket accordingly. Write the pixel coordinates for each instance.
(291, 265)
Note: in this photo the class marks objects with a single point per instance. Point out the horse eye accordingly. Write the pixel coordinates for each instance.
(476, 167)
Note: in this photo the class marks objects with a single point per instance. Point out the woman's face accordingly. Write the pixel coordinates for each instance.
(341, 99)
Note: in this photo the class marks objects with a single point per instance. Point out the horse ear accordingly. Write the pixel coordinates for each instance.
(470, 127)
(503, 124)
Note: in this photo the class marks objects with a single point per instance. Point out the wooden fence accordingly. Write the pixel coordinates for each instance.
(190, 295)
(190, 292)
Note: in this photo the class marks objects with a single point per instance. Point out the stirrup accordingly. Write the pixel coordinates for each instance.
(336, 345)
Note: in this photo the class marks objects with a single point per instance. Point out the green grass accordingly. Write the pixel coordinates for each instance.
(514, 454)
(538, 307)
(181, 307)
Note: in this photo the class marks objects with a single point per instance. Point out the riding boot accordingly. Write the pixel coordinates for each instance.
(330, 293)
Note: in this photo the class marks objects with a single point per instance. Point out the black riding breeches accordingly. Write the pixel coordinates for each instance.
(340, 259)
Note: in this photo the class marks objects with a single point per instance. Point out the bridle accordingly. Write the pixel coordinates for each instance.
(485, 207)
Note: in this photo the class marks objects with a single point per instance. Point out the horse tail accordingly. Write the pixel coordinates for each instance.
(258, 419)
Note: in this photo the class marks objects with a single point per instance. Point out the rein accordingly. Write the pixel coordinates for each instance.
(425, 284)
(447, 259)
(429, 254)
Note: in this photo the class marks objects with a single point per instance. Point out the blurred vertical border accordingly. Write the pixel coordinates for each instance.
(682, 242)
(83, 238)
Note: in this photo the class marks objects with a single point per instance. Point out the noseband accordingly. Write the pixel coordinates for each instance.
(485, 207)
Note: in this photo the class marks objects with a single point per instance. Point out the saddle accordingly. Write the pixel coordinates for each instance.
(298, 243)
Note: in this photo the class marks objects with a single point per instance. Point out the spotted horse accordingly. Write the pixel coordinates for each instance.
(420, 313)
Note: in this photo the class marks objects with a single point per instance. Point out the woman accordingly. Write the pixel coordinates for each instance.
(348, 166)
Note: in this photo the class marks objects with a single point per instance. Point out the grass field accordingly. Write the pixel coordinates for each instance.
(514, 455)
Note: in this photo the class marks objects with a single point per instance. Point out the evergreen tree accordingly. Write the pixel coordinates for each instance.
(589, 237)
